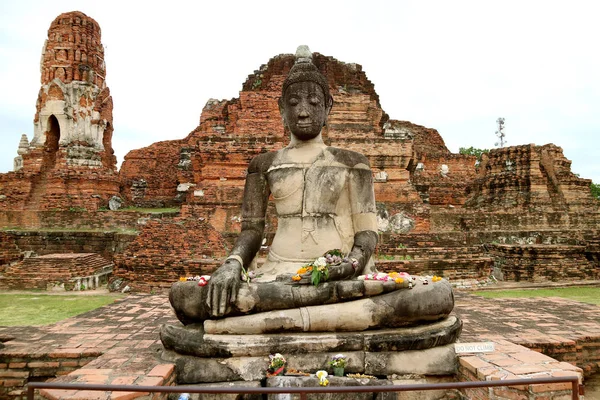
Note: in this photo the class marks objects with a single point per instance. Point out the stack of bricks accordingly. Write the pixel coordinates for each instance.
(167, 250)
(57, 270)
(511, 361)
(17, 369)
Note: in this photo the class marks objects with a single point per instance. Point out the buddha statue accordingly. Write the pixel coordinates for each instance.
(324, 200)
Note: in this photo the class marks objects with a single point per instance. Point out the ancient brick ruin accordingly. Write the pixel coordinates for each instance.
(438, 212)
(69, 163)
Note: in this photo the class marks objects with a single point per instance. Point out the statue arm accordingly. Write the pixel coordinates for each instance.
(254, 209)
(224, 284)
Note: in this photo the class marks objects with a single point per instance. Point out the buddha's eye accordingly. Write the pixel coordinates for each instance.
(293, 101)
(314, 100)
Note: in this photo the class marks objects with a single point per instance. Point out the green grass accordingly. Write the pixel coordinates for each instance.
(589, 295)
(44, 309)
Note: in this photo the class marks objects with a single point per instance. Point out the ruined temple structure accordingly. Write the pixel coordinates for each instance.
(438, 212)
(69, 163)
(205, 171)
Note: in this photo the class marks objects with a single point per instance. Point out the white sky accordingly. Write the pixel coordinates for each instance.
(455, 66)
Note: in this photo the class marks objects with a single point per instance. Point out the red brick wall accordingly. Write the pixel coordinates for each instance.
(166, 250)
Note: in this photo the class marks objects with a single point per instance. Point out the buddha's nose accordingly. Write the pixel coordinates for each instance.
(303, 113)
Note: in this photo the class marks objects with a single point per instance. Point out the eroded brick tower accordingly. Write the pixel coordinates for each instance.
(70, 162)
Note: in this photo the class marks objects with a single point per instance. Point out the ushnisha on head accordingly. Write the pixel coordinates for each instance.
(305, 99)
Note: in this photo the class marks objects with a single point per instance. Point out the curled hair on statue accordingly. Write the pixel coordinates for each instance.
(305, 71)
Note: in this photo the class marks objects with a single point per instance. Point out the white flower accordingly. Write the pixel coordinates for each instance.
(320, 262)
(321, 375)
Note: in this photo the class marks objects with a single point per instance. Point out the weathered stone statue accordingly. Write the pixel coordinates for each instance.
(324, 200)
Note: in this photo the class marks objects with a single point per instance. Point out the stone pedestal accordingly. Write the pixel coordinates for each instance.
(426, 349)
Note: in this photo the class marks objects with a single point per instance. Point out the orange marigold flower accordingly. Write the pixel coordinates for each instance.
(296, 278)
(398, 280)
(302, 270)
(393, 275)
(436, 279)
(182, 279)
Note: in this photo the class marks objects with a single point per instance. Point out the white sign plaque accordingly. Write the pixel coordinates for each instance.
(481, 347)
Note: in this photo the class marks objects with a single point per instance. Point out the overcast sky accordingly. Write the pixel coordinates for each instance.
(455, 66)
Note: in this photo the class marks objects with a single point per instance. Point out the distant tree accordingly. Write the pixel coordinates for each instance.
(595, 188)
(473, 151)
(500, 133)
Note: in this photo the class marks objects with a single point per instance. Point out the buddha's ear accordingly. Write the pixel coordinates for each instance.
(280, 104)
(329, 104)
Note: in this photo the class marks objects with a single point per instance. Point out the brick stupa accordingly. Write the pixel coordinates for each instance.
(69, 163)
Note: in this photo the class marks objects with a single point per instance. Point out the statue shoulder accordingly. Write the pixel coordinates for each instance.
(350, 158)
(261, 162)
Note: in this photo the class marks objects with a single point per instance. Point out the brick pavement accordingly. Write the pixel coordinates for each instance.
(119, 343)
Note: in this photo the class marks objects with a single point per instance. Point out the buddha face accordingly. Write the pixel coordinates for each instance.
(304, 109)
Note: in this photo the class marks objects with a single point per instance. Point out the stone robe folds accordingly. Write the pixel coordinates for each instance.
(320, 204)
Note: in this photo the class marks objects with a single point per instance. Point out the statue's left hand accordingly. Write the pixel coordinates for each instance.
(341, 272)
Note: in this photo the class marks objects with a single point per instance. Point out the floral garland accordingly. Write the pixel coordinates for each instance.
(319, 268)
(202, 280)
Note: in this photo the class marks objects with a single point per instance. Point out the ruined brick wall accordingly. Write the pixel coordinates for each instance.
(541, 263)
(9, 251)
(70, 161)
(211, 162)
(78, 220)
(529, 177)
(150, 175)
(440, 177)
(107, 244)
(57, 271)
(166, 250)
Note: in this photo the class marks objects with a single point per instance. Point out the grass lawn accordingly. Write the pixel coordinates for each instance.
(589, 295)
(44, 309)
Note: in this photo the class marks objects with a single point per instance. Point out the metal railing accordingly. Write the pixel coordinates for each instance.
(303, 391)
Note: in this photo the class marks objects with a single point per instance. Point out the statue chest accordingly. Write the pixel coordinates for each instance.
(308, 190)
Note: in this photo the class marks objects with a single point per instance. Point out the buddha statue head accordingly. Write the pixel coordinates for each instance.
(305, 100)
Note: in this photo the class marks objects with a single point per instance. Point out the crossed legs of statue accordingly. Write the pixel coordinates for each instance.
(276, 307)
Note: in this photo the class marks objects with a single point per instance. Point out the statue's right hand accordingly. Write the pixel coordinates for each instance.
(223, 288)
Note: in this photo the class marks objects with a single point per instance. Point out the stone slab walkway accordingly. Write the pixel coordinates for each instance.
(119, 343)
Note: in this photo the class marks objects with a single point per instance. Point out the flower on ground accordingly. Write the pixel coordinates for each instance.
(399, 280)
(182, 279)
(322, 375)
(436, 278)
(296, 278)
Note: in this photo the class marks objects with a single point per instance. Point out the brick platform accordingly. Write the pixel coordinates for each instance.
(119, 343)
(71, 271)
